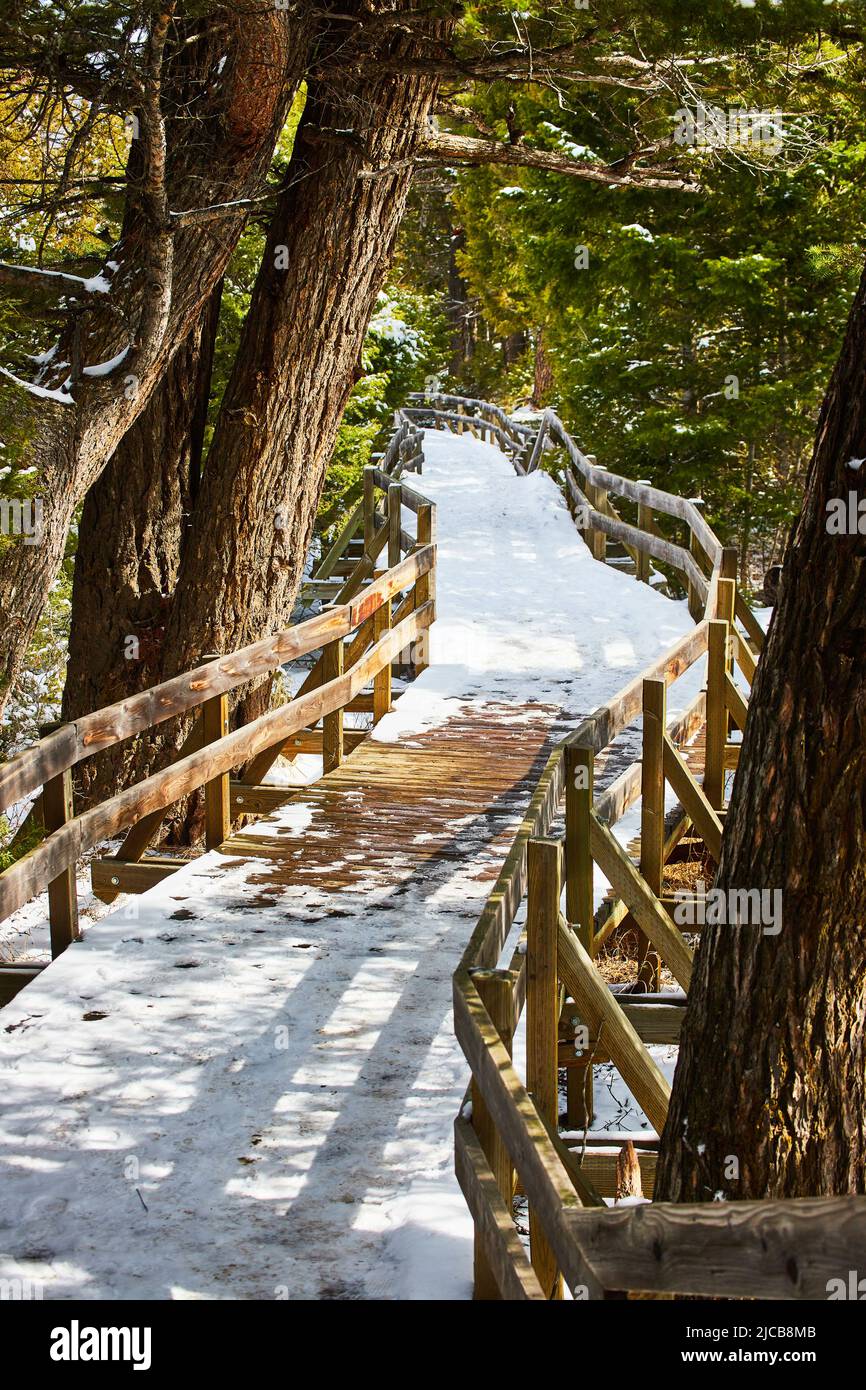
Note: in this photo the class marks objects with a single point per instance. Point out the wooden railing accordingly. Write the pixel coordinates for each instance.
(507, 1135)
(700, 559)
(373, 620)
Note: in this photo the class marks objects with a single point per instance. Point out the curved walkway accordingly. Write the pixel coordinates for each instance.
(242, 1083)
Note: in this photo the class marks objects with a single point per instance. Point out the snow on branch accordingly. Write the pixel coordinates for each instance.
(56, 280)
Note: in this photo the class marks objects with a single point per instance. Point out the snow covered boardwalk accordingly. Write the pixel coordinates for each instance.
(242, 1083)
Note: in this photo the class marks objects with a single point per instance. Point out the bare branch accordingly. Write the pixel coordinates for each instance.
(519, 63)
(444, 148)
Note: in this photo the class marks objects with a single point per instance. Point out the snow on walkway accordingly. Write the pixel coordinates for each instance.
(242, 1084)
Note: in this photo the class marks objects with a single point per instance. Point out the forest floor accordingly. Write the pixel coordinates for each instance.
(231, 1092)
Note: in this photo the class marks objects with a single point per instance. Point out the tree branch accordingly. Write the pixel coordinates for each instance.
(57, 281)
(444, 148)
(517, 63)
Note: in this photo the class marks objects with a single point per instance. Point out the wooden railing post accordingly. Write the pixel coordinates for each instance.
(496, 991)
(382, 681)
(652, 818)
(717, 714)
(425, 587)
(217, 792)
(57, 809)
(596, 540)
(726, 603)
(369, 509)
(694, 598)
(332, 724)
(395, 524)
(544, 886)
(645, 522)
(579, 897)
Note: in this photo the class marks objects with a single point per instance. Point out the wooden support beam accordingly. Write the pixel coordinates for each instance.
(13, 978)
(327, 566)
(642, 903)
(112, 876)
(645, 523)
(695, 597)
(737, 707)
(753, 628)
(544, 876)
(395, 524)
(369, 511)
(603, 1015)
(382, 681)
(217, 816)
(250, 800)
(704, 818)
(57, 811)
(596, 540)
(332, 722)
(495, 989)
(425, 587)
(579, 792)
(717, 716)
(652, 818)
(746, 659)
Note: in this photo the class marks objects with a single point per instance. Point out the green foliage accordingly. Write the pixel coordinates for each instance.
(694, 347)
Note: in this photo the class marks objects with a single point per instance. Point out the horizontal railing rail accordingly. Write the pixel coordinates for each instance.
(360, 634)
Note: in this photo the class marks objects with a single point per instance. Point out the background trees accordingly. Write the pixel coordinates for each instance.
(510, 138)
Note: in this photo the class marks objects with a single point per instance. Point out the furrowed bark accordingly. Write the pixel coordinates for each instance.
(329, 246)
(772, 1064)
(128, 557)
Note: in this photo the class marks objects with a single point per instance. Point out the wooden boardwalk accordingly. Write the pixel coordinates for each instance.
(241, 1084)
(406, 809)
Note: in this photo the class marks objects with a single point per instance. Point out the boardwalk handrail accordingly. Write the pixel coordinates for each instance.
(362, 607)
(506, 1129)
(598, 517)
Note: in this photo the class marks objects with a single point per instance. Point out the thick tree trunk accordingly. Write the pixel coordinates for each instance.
(769, 1097)
(329, 247)
(128, 556)
(224, 98)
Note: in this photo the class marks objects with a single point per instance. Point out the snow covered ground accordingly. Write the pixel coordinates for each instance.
(232, 1092)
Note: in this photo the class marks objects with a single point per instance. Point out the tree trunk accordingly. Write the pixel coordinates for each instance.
(328, 249)
(224, 98)
(461, 311)
(128, 556)
(769, 1098)
(543, 379)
